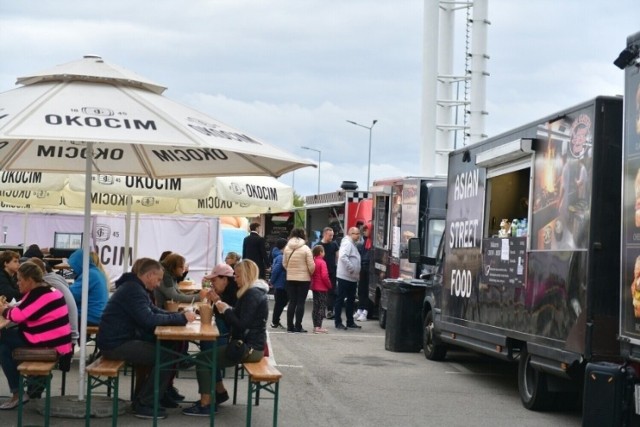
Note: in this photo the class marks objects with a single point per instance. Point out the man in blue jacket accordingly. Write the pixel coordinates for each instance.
(127, 329)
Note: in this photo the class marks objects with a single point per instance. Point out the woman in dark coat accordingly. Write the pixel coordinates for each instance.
(248, 322)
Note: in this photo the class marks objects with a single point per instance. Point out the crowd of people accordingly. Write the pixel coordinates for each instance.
(45, 310)
(334, 273)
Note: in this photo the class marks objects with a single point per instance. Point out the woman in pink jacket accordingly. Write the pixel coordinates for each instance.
(320, 285)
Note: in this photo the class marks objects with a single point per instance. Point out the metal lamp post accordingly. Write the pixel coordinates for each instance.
(370, 132)
(319, 160)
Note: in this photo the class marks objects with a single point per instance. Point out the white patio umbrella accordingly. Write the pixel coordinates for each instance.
(90, 116)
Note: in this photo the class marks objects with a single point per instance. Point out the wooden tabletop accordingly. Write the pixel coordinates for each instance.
(61, 266)
(191, 331)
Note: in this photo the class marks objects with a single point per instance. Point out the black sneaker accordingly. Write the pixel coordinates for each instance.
(222, 397)
(330, 315)
(277, 326)
(169, 403)
(198, 410)
(341, 327)
(146, 412)
(291, 330)
(300, 331)
(354, 326)
(174, 394)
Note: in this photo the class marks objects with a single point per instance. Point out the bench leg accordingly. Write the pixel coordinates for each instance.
(39, 381)
(249, 400)
(235, 382)
(275, 404)
(95, 382)
(87, 408)
(272, 387)
(133, 382)
(114, 409)
(47, 401)
(20, 394)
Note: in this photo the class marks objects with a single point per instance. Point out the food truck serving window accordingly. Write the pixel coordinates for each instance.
(508, 187)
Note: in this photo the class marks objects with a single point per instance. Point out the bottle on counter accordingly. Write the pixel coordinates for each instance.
(523, 227)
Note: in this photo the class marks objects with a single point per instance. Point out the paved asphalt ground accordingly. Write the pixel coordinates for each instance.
(347, 378)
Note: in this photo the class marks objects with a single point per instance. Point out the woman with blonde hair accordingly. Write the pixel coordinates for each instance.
(96, 260)
(248, 322)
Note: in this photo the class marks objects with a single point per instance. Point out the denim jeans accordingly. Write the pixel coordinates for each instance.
(11, 339)
(346, 291)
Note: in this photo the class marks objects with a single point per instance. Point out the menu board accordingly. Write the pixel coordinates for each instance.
(503, 261)
(381, 215)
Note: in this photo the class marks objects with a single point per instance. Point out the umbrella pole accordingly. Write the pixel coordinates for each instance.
(135, 236)
(24, 239)
(86, 248)
(127, 236)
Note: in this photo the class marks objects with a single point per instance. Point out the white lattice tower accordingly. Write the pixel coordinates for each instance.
(450, 120)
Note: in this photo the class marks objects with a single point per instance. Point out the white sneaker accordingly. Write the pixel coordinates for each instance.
(363, 316)
(357, 314)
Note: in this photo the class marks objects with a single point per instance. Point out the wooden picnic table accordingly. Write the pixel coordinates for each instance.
(194, 331)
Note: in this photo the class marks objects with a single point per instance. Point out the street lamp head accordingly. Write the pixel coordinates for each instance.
(374, 122)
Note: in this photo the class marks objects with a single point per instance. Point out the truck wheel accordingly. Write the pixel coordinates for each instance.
(532, 385)
(432, 351)
(382, 317)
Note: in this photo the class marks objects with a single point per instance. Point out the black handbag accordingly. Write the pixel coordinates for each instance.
(236, 351)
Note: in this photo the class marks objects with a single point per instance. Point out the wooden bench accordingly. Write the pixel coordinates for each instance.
(37, 373)
(261, 375)
(103, 372)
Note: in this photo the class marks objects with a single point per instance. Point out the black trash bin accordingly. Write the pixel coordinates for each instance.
(404, 315)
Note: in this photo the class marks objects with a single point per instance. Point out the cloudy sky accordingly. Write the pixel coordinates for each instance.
(291, 72)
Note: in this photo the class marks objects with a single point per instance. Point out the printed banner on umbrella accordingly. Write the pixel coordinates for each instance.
(255, 191)
(144, 186)
(12, 180)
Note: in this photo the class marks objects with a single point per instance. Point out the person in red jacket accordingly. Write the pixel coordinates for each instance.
(320, 285)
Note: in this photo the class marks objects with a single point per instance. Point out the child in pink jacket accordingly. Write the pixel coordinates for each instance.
(320, 285)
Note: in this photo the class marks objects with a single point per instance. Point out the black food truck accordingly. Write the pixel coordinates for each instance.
(613, 392)
(529, 264)
(403, 208)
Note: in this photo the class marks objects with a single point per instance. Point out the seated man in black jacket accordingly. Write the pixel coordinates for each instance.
(127, 329)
